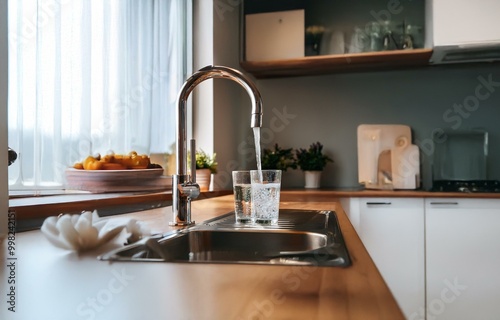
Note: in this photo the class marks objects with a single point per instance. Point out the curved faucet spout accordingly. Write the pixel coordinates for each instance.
(235, 75)
(211, 72)
(181, 201)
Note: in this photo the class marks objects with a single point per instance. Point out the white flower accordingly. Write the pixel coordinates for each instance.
(79, 232)
(137, 231)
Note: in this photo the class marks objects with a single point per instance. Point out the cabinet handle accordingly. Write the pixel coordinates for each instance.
(378, 203)
(445, 203)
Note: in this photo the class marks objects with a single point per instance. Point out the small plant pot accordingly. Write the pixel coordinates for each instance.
(203, 177)
(313, 179)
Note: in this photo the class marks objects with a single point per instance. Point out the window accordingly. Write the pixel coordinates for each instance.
(91, 76)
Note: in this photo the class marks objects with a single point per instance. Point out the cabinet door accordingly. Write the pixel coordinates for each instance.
(463, 258)
(351, 209)
(461, 22)
(392, 230)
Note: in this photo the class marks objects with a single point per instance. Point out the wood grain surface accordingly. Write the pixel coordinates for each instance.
(55, 284)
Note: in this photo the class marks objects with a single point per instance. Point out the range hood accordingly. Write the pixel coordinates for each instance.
(463, 31)
(477, 52)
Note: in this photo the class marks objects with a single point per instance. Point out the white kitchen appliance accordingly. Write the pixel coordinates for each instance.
(386, 157)
(454, 41)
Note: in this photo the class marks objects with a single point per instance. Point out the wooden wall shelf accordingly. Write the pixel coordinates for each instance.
(327, 64)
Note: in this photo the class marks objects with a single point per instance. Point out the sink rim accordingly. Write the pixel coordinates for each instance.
(329, 229)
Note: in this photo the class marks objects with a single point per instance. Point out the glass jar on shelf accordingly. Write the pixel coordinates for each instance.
(412, 36)
(417, 35)
(390, 33)
(359, 40)
(373, 30)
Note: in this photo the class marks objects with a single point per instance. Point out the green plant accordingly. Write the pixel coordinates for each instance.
(204, 161)
(280, 159)
(313, 158)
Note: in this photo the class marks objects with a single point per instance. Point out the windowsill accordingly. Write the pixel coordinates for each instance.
(31, 212)
(17, 199)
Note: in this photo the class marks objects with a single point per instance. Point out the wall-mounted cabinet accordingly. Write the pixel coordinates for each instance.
(465, 22)
(331, 36)
(463, 31)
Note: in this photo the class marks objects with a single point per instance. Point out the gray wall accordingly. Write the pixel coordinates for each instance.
(329, 109)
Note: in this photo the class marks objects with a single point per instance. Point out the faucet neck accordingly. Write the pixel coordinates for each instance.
(210, 72)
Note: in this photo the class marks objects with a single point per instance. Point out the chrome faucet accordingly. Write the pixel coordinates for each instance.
(185, 188)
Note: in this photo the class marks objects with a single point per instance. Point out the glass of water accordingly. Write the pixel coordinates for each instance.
(242, 188)
(266, 185)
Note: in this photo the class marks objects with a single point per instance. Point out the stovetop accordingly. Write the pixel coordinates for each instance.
(487, 186)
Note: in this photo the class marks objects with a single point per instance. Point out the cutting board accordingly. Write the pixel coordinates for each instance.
(405, 164)
(376, 142)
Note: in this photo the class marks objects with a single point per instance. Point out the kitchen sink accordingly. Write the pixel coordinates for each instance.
(301, 237)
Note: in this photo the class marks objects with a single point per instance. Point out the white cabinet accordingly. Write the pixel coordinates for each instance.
(464, 22)
(462, 258)
(463, 31)
(392, 230)
(457, 276)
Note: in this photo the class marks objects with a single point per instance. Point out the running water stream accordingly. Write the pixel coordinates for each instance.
(256, 136)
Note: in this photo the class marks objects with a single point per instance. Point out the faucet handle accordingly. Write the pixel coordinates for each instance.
(193, 161)
(189, 190)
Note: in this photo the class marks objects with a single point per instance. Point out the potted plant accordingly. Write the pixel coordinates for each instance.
(279, 158)
(312, 161)
(205, 166)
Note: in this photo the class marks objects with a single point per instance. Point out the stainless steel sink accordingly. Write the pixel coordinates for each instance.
(303, 237)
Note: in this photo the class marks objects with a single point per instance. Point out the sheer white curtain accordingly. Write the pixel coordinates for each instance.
(90, 76)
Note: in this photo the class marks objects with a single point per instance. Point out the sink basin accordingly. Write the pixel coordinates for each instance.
(303, 237)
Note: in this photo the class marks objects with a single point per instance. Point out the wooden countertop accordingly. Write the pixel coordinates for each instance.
(32, 211)
(56, 284)
(366, 193)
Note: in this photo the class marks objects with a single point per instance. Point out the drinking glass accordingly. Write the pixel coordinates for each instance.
(266, 185)
(242, 197)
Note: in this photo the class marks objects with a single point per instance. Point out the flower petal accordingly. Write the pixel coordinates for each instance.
(110, 234)
(67, 230)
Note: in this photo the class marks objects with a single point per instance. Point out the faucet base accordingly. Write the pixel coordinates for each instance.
(183, 192)
(181, 224)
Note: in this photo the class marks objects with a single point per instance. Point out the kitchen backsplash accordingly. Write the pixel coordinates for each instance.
(329, 109)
